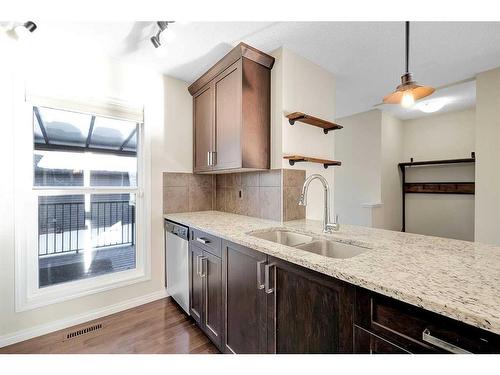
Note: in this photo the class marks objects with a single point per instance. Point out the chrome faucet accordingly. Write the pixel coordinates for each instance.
(328, 227)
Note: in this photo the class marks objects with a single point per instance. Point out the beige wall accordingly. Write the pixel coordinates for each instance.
(98, 77)
(368, 185)
(392, 132)
(358, 180)
(442, 136)
(487, 210)
(300, 85)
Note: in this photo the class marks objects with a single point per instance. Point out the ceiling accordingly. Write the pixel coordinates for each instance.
(365, 57)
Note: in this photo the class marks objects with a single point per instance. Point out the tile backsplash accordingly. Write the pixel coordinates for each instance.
(269, 194)
(187, 192)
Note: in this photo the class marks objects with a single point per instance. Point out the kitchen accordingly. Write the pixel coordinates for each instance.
(251, 188)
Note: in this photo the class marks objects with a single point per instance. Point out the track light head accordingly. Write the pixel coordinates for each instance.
(30, 26)
(156, 41)
(162, 25)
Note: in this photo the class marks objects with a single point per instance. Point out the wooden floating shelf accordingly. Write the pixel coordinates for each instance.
(440, 187)
(314, 121)
(292, 159)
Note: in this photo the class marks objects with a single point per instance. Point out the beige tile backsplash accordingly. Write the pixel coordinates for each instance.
(269, 194)
(187, 192)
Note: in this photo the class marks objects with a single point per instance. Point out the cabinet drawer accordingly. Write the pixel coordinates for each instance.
(368, 343)
(207, 242)
(418, 330)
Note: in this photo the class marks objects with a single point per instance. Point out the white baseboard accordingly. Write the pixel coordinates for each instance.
(29, 333)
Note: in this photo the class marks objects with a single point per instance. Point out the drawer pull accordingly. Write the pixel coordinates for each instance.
(427, 337)
(202, 240)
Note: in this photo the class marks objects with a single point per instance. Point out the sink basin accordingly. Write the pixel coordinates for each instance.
(283, 237)
(333, 249)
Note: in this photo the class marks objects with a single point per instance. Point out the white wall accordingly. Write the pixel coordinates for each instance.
(300, 85)
(358, 180)
(441, 136)
(487, 211)
(84, 74)
(177, 143)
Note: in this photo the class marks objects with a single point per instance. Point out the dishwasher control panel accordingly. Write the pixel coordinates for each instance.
(177, 229)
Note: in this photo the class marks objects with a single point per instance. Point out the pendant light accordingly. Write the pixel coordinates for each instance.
(408, 91)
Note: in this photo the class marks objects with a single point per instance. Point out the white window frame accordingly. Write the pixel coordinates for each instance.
(28, 294)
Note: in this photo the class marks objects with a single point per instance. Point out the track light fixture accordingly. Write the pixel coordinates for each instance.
(30, 26)
(18, 30)
(162, 26)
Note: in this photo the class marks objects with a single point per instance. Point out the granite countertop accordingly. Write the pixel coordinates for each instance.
(458, 279)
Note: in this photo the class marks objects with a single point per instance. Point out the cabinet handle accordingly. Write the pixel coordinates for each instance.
(268, 289)
(198, 264)
(203, 273)
(427, 337)
(214, 158)
(260, 284)
(202, 240)
(209, 158)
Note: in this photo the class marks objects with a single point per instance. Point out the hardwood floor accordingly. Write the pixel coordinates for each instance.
(156, 327)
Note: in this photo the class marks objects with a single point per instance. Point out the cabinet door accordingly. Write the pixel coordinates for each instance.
(211, 272)
(245, 300)
(307, 312)
(228, 118)
(203, 112)
(195, 283)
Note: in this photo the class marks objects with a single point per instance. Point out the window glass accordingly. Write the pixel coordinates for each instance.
(85, 235)
(73, 149)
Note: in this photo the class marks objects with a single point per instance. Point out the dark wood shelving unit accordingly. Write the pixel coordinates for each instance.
(434, 187)
(440, 187)
(327, 126)
(292, 159)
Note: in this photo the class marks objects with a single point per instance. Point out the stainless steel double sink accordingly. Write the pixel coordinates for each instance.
(328, 248)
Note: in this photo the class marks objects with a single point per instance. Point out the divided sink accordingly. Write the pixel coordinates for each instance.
(333, 249)
(328, 248)
(283, 237)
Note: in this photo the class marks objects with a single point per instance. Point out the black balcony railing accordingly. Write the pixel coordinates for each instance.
(67, 227)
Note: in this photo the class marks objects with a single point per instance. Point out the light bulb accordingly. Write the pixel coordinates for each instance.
(407, 100)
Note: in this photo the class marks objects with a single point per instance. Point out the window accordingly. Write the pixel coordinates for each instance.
(86, 205)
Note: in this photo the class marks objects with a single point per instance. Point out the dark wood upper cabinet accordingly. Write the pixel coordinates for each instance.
(307, 312)
(203, 128)
(232, 113)
(245, 299)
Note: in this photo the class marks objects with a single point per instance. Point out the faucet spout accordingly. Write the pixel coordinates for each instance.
(328, 227)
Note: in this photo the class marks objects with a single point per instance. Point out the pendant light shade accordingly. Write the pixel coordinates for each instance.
(409, 90)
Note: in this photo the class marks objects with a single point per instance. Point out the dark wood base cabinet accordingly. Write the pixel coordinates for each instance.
(205, 296)
(385, 325)
(249, 302)
(307, 312)
(245, 300)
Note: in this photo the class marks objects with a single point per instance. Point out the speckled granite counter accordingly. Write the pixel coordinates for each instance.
(454, 278)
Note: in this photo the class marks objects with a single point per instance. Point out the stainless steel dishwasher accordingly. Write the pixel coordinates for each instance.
(176, 263)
